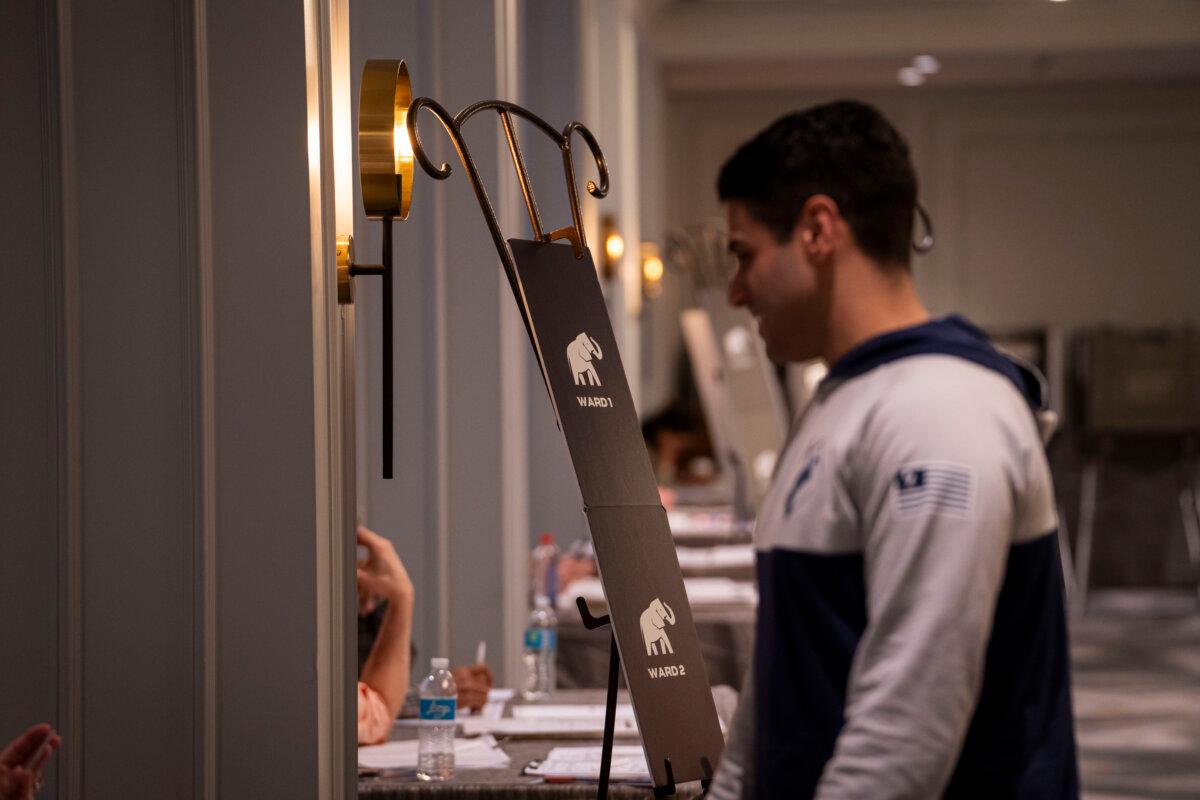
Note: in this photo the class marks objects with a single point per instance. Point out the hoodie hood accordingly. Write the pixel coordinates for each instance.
(953, 336)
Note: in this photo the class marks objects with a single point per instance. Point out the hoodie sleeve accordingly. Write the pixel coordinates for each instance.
(934, 477)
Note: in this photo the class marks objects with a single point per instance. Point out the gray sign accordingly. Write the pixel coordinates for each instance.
(656, 637)
(651, 617)
(574, 340)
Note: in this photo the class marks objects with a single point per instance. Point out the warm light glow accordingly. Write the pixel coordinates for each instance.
(614, 246)
(652, 269)
(401, 146)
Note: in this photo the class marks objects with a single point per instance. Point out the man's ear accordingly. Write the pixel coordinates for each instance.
(819, 227)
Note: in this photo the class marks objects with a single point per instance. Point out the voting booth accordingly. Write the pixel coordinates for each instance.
(739, 391)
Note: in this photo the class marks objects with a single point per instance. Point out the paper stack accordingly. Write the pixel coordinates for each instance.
(700, 591)
(583, 763)
(729, 556)
(480, 753)
(532, 726)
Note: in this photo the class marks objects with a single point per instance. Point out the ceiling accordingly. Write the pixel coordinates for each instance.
(723, 45)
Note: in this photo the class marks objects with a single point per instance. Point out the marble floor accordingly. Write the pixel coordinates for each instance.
(1137, 696)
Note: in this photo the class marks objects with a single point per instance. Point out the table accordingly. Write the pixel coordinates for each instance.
(508, 783)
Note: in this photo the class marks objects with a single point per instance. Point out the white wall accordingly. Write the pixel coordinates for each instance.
(1065, 205)
(552, 88)
(33, 466)
(1069, 205)
(162, 495)
(460, 351)
(481, 465)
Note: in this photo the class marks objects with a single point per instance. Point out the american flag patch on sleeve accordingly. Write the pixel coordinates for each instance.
(941, 487)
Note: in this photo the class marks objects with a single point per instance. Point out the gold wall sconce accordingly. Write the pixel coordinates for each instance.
(614, 247)
(385, 164)
(652, 270)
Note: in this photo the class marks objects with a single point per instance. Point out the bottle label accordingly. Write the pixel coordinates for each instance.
(440, 709)
(538, 638)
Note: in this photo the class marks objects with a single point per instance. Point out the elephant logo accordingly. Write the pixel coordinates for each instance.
(581, 352)
(654, 620)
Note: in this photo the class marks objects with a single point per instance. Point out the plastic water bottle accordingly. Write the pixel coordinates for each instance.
(543, 568)
(439, 701)
(541, 643)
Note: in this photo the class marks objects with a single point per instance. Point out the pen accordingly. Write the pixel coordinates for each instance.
(481, 652)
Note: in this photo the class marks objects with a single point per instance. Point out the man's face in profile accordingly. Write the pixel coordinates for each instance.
(778, 286)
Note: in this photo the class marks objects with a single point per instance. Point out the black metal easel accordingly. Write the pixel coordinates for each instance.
(610, 704)
(573, 233)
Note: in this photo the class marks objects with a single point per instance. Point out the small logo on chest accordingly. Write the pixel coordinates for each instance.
(801, 479)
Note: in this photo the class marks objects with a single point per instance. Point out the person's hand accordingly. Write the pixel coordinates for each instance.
(382, 574)
(473, 684)
(667, 496)
(572, 568)
(22, 760)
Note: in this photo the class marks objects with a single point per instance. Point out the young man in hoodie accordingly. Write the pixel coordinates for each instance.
(911, 638)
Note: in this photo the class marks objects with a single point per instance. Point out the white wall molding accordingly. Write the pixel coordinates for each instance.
(331, 569)
(441, 354)
(514, 382)
(201, 373)
(70, 407)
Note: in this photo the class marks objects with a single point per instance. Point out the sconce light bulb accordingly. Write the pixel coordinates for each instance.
(401, 146)
(614, 246)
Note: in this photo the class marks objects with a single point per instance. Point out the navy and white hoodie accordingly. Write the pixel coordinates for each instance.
(911, 638)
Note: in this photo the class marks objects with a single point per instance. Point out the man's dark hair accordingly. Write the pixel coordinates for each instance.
(845, 149)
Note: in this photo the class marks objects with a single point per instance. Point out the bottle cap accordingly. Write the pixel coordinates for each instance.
(541, 601)
(547, 538)
(439, 663)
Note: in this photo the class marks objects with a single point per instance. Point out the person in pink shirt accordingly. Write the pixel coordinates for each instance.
(383, 681)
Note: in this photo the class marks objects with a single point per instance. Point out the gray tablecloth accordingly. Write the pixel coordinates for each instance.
(490, 784)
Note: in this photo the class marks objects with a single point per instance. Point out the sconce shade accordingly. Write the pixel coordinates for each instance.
(385, 162)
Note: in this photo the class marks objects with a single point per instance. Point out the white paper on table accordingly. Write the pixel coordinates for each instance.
(726, 556)
(700, 592)
(480, 753)
(683, 522)
(572, 711)
(549, 728)
(719, 592)
(583, 763)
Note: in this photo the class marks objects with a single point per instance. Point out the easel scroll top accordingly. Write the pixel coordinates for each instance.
(506, 111)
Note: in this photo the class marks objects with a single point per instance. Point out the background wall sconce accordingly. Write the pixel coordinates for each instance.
(385, 164)
(614, 247)
(652, 270)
